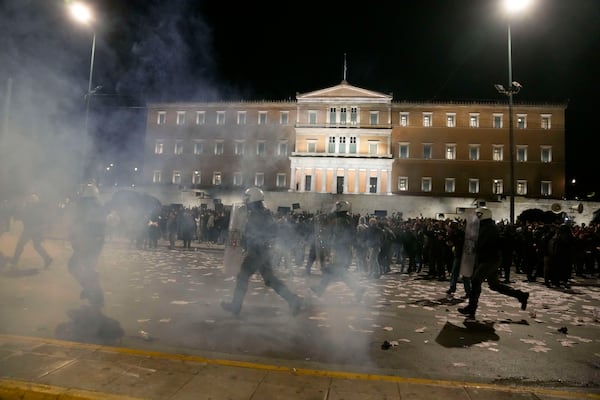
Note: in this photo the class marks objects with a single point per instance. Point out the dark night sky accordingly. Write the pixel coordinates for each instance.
(418, 50)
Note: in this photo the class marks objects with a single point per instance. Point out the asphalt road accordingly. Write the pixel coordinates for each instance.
(168, 301)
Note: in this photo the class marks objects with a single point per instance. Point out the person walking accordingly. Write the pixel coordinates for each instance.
(487, 261)
(259, 235)
(87, 237)
(342, 234)
(456, 241)
(33, 215)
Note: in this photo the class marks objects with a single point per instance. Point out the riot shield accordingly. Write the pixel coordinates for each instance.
(234, 254)
(467, 262)
(322, 239)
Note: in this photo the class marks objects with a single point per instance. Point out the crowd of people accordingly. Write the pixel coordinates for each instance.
(549, 252)
(333, 241)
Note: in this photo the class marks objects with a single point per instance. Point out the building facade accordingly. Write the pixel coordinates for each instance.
(349, 140)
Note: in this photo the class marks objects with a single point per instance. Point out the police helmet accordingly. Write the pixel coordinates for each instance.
(253, 194)
(90, 190)
(342, 206)
(483, 213)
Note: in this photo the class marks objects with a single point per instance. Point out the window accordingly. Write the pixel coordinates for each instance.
(403, 151)
(546, 121)
(427, 151)
(403, 183)
(473, 185)
(403, 119)
(180, 118)
(237, 179)
(474, 120)
(216, 180)
(262, 117)
(218, 148)
(372, 184)
(259, 179)
(178, 147)
(311, 147)
(450, 185)
(281, 180)
(284, 117)
(197, 177)
(331, 144)
(200, 117)
(354, 115)
(497, 152)
(198, 148)
(176, 179)
(473, 152)
(159, 147)
(546, 188)
(451, 120)
(497, 121)
(332, 115)
(352, 149)
(342, 144)
(522, 187)
(374, 115)
(497, 186)
(426, 184)
(261, 148)
(161, 118)
(241, 118)
(373, 148)
(156, 177)
(220, 117)
(427, 119)
(521, 121)
(312, 117)
(239, 148)
(343, 115)
(450, 152)
(308, 183)
(546, 154)
(282, 149)
(521, 153)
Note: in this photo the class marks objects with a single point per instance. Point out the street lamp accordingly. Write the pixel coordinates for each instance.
(83, 14)
(512, 7)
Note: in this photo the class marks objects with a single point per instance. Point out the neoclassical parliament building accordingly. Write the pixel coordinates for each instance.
(350, 140)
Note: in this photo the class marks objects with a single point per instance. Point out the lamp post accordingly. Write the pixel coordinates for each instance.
(512, 7)
(83, 14)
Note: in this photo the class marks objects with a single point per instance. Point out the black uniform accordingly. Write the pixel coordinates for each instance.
(259, 236)
(488, 257)
(87, 240)
(33, 216)
(342, 237)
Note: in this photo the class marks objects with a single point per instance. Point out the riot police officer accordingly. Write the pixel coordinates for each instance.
(342, 234)
(488, 257)
(87, 239)
(259, 234)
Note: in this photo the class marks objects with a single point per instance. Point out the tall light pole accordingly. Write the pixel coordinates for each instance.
(82, 13)
(512, 7)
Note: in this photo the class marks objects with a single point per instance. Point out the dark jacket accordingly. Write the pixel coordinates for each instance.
(260, 227)
(488, 244)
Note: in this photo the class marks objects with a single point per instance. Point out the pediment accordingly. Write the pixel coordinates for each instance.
(344, 91)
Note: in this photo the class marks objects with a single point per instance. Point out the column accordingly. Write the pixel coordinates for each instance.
(293, 179)
(345, 180)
